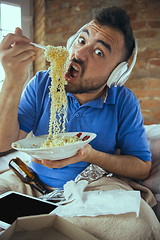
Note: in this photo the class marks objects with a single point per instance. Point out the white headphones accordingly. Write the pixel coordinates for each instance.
(121, 73)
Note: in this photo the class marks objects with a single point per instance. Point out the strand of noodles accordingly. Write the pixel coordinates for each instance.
(58, 58)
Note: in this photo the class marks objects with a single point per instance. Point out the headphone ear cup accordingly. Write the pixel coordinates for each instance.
(118, 75)
(71, 40)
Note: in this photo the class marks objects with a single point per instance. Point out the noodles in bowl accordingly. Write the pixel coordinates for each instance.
(33, 146)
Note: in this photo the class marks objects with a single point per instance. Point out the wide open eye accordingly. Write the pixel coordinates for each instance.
(99, 52)
(81, 40)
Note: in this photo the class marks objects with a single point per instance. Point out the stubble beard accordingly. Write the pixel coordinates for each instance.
(88, 85)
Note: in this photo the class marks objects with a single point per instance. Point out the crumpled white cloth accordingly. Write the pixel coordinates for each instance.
(95, 203)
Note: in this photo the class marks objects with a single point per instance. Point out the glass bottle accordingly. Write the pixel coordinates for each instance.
(27, 175)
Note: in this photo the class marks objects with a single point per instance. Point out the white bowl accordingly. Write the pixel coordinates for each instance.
(31, 146)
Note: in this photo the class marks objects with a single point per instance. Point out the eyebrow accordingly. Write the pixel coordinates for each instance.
(108, 46)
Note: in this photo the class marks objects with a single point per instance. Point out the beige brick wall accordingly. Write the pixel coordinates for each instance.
(56, 20)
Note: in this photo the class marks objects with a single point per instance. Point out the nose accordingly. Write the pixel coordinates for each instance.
(80, 53)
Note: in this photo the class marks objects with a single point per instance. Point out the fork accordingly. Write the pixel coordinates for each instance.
(38, 45)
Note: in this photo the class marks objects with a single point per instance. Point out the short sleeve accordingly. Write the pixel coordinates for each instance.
(34, 107)
(131, 135)
(27, 107)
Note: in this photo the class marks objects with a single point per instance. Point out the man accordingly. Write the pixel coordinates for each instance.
(113, 113)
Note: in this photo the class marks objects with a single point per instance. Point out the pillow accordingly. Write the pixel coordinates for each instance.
(152, 131)
(153, 181)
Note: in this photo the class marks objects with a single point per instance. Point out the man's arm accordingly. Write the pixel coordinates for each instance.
(122, 165)
(16, 55)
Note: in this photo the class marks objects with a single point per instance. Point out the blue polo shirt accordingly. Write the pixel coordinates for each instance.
(117, 121)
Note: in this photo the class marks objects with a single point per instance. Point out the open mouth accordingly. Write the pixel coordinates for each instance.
(73, 72)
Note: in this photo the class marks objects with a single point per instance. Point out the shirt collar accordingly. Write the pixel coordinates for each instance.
(109, 97)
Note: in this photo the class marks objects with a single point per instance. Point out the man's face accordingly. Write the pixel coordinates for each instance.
(94, 54)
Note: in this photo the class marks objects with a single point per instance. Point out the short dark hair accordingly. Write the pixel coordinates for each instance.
(117, 18)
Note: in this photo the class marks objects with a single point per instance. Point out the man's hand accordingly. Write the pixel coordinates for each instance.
(16, 54)
(82, 155)
(122, 165)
